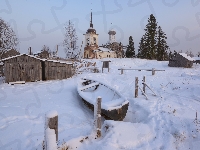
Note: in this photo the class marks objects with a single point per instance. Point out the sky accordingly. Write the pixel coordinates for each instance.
(37, 23)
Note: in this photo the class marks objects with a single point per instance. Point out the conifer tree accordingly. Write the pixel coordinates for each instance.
(153, 43)
(141, 49)
(161, 46)
(150, 40)
(130, 51)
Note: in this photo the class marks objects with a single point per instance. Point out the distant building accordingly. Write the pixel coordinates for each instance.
(116, 47)
(181, 60)
(112, 36)
(91, 41)
(196, 60)
(102, 52)
(92, 50)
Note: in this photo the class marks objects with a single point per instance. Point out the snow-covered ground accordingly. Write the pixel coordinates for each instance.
(163, 122)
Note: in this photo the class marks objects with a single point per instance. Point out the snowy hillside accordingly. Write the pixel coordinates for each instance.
(163, 122)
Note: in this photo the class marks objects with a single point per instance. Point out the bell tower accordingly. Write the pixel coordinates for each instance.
(111, 36)
(91, 41)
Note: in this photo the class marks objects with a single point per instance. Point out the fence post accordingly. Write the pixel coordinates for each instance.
(136, 87)
(97, 117)
(153, 71)
(144, 84)
(51, 130)
(122, 71)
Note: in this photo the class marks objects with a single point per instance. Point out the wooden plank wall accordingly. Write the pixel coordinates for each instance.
(57, 70)
(180, 61)
(22, 68)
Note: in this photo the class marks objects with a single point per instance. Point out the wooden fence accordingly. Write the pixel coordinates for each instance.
(153, 70)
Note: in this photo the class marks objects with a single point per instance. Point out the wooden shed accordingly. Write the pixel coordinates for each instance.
(181, 60)
(30, 68)
(22, 68)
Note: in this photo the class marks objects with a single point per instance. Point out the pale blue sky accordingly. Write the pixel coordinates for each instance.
(40, 22)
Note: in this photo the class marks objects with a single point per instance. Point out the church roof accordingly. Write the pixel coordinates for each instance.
(91, 29)
(112, 32)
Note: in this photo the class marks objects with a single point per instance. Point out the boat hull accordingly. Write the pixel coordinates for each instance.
(115, 114)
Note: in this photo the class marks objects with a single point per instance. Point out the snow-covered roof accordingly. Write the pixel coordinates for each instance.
(21, 55)
(60, 61)
(186, 56)
(196, 58)
(104, 49)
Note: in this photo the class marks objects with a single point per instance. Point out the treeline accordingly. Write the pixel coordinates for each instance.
(153, 44)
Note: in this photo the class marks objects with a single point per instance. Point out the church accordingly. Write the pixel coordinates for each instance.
(93, 51)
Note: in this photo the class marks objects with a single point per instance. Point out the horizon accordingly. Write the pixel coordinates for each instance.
(38, 23)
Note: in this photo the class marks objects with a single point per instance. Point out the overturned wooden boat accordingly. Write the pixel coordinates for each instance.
(113, 107)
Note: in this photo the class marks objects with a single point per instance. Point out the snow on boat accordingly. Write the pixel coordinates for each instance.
(113, 106)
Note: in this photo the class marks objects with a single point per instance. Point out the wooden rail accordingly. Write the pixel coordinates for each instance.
(153, 70)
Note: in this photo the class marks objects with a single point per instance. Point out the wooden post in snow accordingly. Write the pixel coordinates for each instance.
(51, 123)
(136, 87)
(153, 71)
(122, 71)
(144, 84)
(97, 117)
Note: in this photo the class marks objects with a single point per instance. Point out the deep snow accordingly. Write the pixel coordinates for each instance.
(165, 121)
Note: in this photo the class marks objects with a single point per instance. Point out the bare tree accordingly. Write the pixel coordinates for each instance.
(8, 39)
(189, 53)
(9, 53)
(70, 41)
(45, 52)
(198, 54)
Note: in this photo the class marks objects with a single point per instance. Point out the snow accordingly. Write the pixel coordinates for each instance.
(60, 61)
(52, 114)
(186, 56)
(111, 99)
(88, 86)
(166, 121)
(196, 58)
(21, 55)
(50, 139)
(104, 49)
